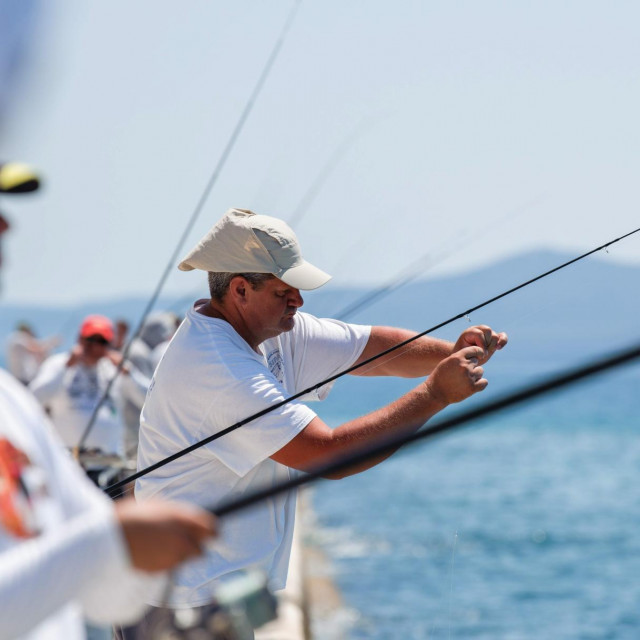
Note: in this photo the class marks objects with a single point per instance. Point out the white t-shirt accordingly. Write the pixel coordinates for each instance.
(209, 379)
(72, 393)
(61, 552)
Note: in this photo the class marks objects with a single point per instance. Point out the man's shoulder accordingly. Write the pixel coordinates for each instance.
(309, 327)
(204, 351)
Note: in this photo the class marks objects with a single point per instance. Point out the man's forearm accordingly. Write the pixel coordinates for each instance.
(407, 414)
(419, 358)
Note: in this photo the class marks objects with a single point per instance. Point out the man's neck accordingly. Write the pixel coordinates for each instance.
(207, 308)
(213, 309)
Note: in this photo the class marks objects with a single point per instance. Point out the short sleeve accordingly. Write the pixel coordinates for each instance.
(322, 348)
(243, 448)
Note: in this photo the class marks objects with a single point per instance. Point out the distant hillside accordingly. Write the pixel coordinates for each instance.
(585, 309)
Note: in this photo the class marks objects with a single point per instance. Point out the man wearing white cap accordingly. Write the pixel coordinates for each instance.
(248, 348)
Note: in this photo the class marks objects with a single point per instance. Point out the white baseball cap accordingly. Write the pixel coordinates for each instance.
(245, 242)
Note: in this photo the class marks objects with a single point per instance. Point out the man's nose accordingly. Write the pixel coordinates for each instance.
(295, 300)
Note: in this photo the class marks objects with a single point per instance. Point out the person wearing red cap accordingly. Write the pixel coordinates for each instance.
(71, 385)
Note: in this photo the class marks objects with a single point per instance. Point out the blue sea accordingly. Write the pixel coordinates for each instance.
(523, 525)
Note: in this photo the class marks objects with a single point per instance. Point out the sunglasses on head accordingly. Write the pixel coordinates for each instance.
(97, 340)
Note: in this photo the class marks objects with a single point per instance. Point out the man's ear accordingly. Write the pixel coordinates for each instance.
(238, 287)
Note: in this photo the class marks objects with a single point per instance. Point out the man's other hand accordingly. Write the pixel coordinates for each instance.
(458, 376)
(161, 535)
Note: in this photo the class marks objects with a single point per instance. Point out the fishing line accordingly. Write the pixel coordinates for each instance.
(392, 444)
(325, 172)
(198, 209)
(404, 343)
(425, 261)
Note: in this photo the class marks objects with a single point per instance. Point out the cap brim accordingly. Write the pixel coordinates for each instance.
(304, 276)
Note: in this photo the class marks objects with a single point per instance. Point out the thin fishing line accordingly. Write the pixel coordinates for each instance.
(425, 261)
(199, 206)
(392, 444)
(315, 188)
(281, 403)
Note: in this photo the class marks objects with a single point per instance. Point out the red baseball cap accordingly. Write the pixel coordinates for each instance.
(97, 326)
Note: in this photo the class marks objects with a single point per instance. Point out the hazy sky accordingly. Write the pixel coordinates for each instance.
(477, 130)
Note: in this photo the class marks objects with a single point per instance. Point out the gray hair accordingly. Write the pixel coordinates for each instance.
(219, 282)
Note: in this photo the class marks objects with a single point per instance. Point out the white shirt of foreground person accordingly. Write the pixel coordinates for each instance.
(209, 379)
(62, 554)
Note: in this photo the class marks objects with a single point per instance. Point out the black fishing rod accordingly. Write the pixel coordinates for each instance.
(390, 445)
(198, 209)
(400, 345)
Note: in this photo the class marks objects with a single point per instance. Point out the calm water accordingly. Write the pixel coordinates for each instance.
(523, 526)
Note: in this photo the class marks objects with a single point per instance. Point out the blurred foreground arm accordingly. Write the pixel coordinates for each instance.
(160, 535)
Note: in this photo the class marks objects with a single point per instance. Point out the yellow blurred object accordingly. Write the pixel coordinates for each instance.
(16, 177)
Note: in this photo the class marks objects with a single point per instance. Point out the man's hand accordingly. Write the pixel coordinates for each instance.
(76, 356)
(161, 535)
(458, 376)
(484, 337)
(116, 358)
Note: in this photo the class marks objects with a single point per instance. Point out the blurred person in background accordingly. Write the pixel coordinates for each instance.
(158, 351)
(156, 330)
(71, 385)
(25, 352)
(122, 331)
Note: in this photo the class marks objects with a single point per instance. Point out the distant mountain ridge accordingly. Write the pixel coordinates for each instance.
(588, 308)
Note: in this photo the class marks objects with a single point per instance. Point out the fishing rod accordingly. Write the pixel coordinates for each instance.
(390, 445)
(400, 345)
(196, 212)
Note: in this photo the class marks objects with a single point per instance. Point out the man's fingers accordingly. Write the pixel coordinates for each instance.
(489, 340)
(472, 353)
